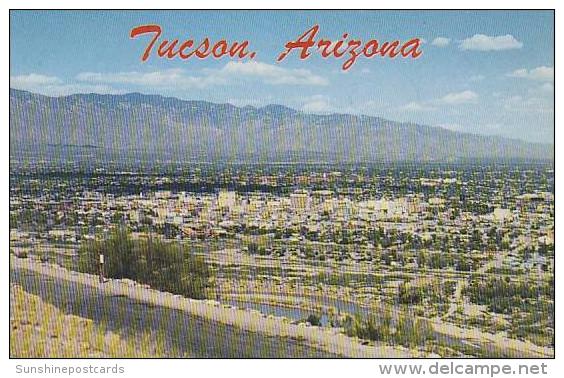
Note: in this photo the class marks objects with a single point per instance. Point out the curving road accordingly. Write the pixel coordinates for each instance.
(184, 334)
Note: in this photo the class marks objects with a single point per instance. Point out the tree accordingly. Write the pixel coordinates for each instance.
(253, 248)
(314, 320)
(163, 266)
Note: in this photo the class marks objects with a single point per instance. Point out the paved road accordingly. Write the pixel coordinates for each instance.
(184, 335)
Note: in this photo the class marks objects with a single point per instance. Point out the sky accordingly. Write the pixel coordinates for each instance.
(482, 72)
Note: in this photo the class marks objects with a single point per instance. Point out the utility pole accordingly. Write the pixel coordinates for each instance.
(101, 265)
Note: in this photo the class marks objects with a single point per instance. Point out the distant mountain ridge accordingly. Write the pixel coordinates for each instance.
(169, 126)
(72, 145)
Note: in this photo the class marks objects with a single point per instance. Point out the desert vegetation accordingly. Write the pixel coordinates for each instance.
(166, 266)
(390, 328)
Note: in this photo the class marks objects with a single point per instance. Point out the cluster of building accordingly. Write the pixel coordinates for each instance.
(302, 215)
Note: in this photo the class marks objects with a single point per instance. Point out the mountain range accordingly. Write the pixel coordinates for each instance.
(138, 123)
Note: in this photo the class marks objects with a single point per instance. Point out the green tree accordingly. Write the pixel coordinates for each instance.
(164, 266)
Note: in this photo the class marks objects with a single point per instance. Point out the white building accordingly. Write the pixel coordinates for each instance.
(227, 200)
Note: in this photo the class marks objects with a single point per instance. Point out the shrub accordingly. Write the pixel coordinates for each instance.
(253, 248)
(410, 294)
(401, 329)
(21, 255)
(314, 320)
(504, 297)
(372, 327)
(433, 292)
(163, 266)
(412, 331)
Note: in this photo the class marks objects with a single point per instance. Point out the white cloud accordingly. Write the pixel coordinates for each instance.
(440, 42)
(453, 98)
(54, 86)
(317, 104)
(230, 73)
(481, 42)
(72, 88)
(528, 104)
(459, 97)
(541, 73)
(272, 74)
(547, 88)
(22, 81)
(172, 78)
(415, 106)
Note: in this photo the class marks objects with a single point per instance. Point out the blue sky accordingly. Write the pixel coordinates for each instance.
(484, 72)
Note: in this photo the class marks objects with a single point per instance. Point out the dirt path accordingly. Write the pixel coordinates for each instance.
(461, 284)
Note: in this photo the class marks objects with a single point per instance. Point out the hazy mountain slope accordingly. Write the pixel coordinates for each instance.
(171, 126)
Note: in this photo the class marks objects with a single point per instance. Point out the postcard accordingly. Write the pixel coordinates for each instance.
(290, 184)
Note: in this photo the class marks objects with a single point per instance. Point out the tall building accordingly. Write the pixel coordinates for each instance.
(227, 199)
(299, 200)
